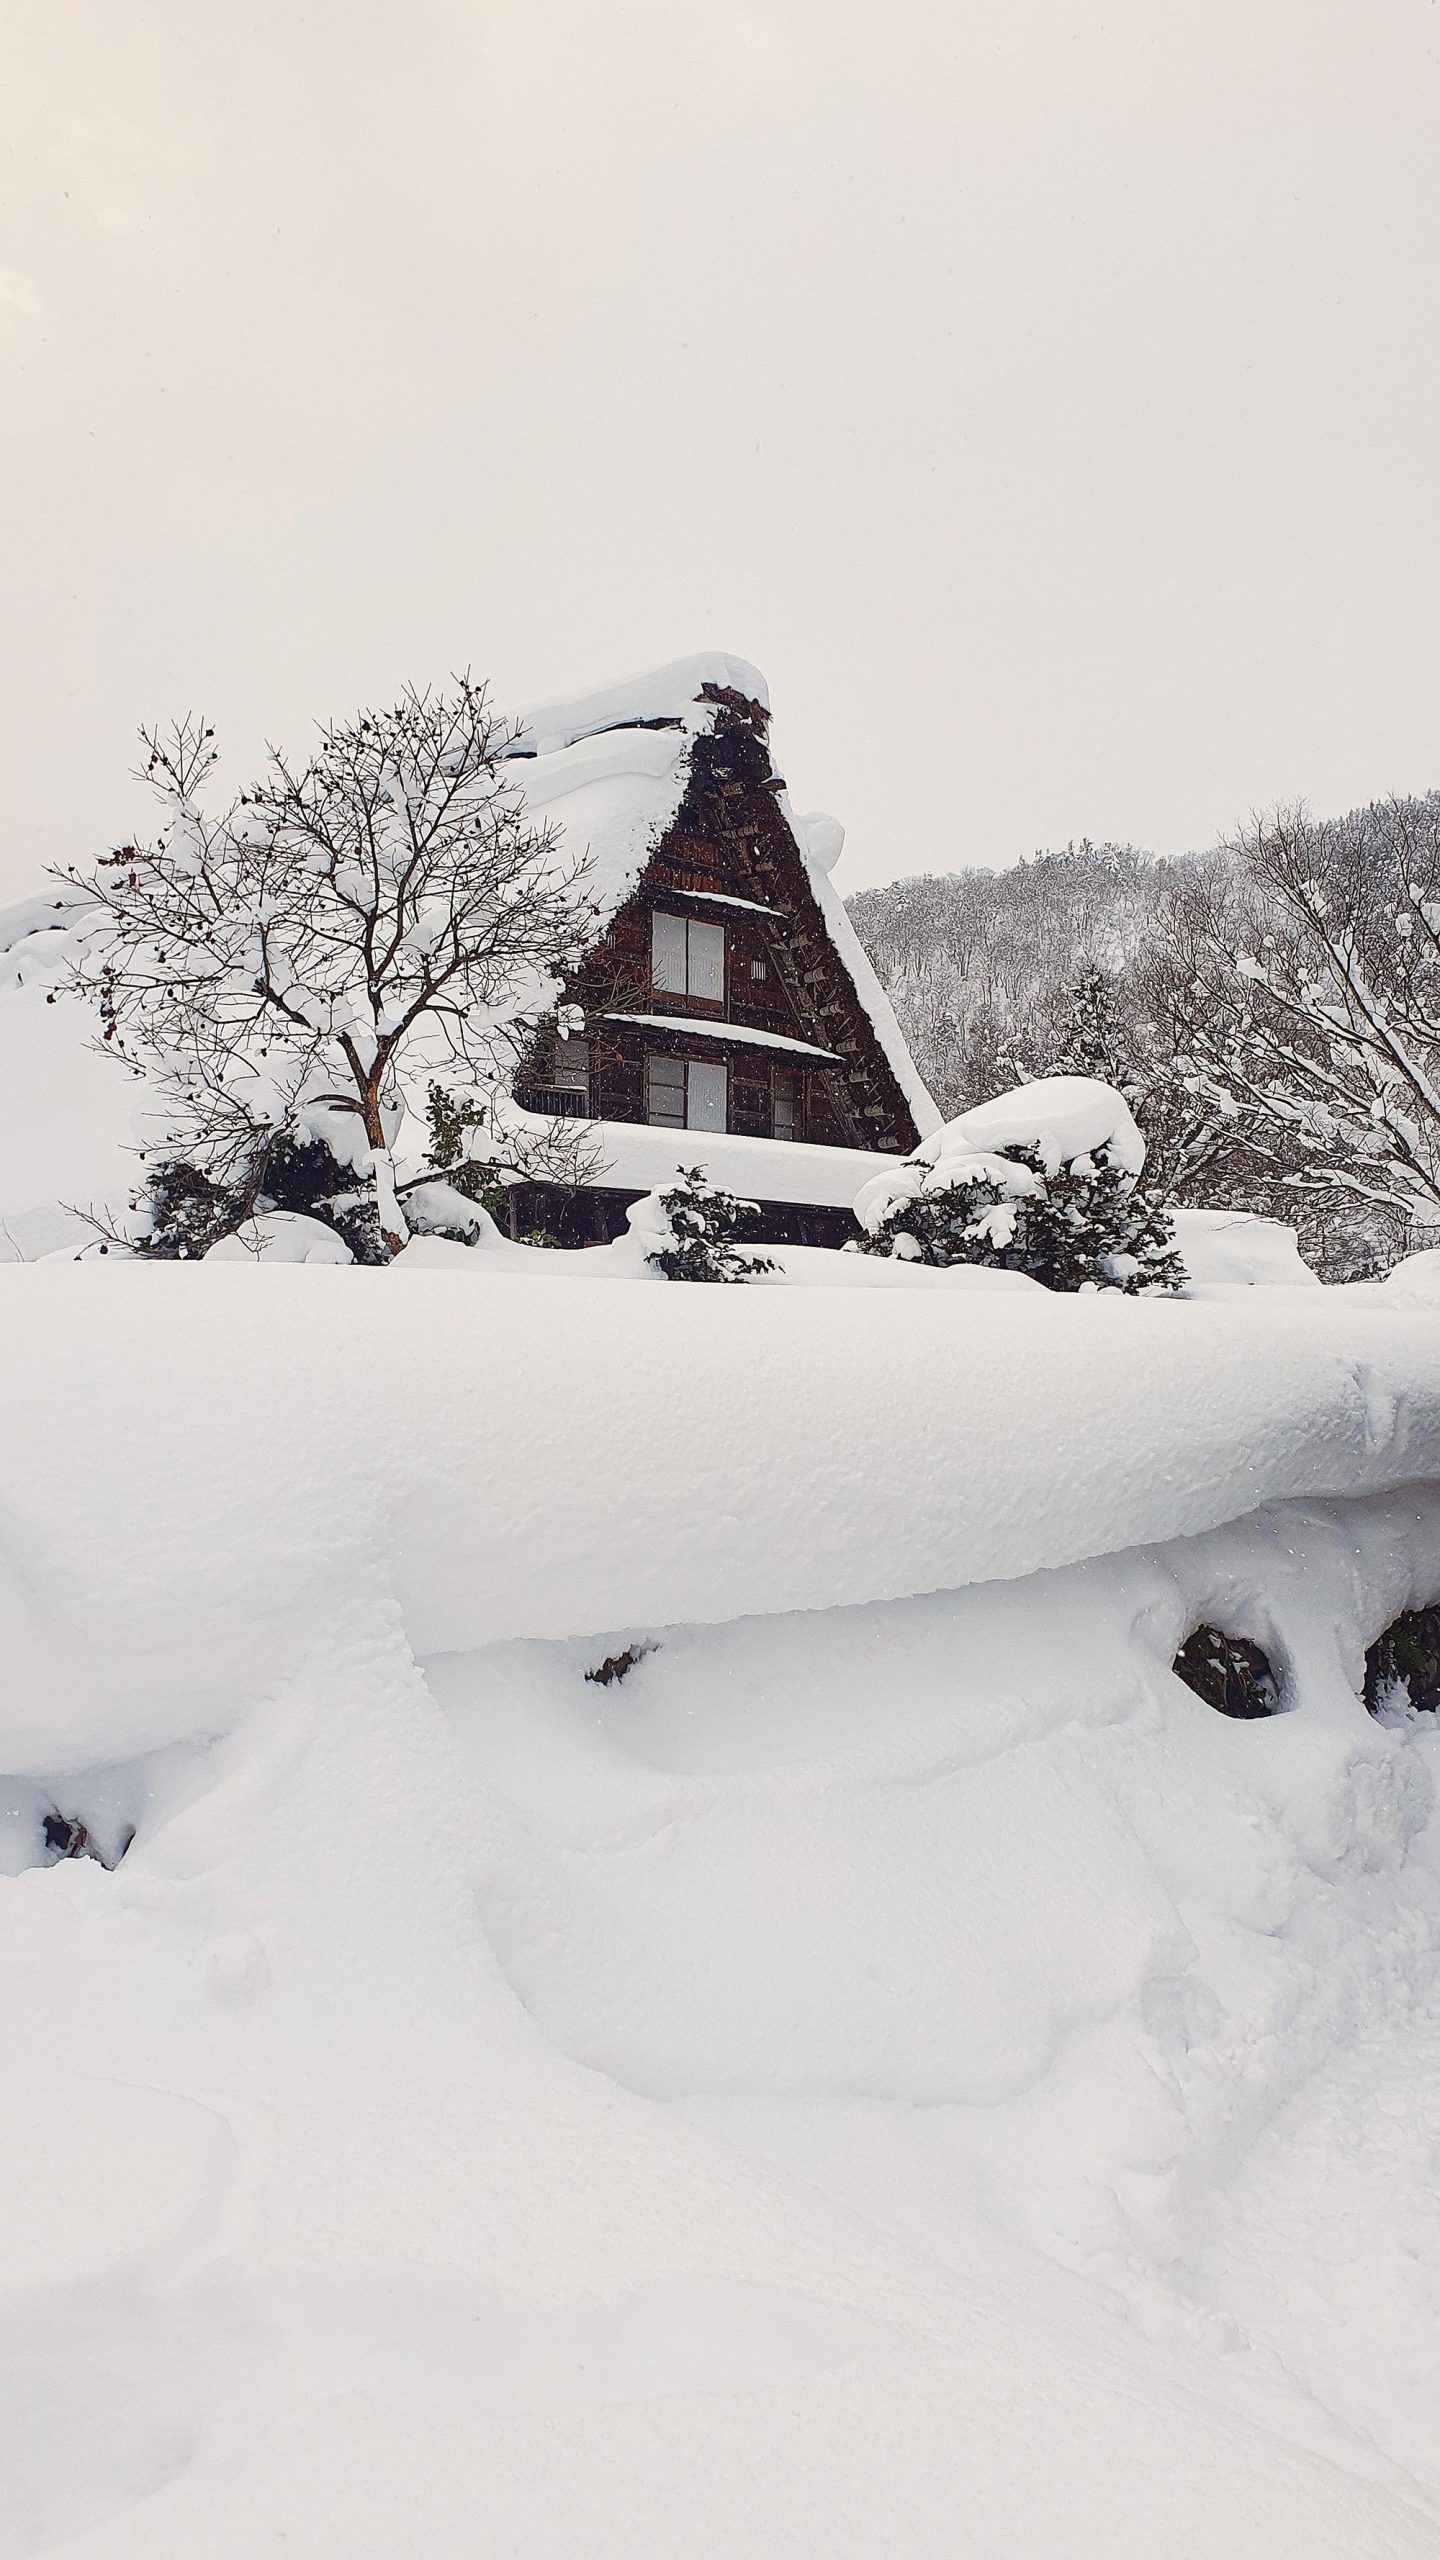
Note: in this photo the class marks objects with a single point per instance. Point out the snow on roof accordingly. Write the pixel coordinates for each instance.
(722, 898)
(610, 767)
(820, 838)
(636, 1157)
(49, 911)
(669, 693)
(613, 797)
(739, 1032)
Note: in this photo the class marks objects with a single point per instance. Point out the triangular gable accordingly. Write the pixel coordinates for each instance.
(667, 782)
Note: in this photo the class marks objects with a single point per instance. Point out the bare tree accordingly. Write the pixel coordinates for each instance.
(1324, 1019)
(383, 911)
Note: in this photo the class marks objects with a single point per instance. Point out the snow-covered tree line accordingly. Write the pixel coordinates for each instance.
(1271, 1010)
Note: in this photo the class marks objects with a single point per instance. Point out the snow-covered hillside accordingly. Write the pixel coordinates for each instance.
(886, 2071)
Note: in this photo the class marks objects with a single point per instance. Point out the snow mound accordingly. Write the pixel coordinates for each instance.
(1233, 1248)
(48, 911)
(282, 1235)
(1415, 1282)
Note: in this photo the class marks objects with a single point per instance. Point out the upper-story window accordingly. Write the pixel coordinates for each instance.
(687, 958)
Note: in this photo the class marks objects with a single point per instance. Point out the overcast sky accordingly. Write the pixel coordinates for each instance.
(1045, 393)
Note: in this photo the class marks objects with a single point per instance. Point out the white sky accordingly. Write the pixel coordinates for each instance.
(1046, 393)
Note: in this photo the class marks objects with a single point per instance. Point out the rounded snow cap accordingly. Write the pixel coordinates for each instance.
(823, 838)
(1064, 1118)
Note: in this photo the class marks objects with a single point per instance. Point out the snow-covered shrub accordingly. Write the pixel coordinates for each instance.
(1043, 1181)
(183, 1212)
(697, 1231)
(453, 1122)
(1080, 1228)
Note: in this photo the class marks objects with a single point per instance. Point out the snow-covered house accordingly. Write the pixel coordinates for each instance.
(730, 1016)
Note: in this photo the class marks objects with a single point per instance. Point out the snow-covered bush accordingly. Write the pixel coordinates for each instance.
(696, 1230)
(184, 1212)
(1043, 1181)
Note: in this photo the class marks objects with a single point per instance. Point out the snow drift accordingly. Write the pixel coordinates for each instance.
(823, 2091)
(505, 1460)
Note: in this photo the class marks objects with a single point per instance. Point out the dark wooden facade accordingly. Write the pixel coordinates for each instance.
(729, 861)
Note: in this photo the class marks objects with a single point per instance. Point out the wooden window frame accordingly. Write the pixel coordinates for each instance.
(787, 1079)
(691, 929)
(681, 1086)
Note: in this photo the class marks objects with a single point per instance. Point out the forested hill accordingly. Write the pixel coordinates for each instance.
(984, 967)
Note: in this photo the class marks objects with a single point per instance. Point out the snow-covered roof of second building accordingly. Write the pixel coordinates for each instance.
(631, 1155)
(609, 769)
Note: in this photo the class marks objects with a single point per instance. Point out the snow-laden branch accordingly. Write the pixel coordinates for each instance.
(1327, 1031)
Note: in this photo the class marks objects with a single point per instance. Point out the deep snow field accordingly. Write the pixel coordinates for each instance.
(894, 2073)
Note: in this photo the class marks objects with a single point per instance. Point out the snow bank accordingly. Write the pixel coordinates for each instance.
(816, 2094)
(70, 1113)
(518, 1461)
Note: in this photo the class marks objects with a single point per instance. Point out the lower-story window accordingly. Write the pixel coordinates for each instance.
(686, 1093)
(784, 1103)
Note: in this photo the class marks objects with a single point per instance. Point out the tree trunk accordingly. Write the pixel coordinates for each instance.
(388, 1212)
